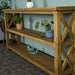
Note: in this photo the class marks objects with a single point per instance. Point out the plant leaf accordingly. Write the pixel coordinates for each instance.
(37, 25)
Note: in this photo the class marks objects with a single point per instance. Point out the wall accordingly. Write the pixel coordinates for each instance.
(32, 19)
(1, 33)
(45, 3)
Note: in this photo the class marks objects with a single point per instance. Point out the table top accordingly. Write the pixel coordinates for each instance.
(68, 8)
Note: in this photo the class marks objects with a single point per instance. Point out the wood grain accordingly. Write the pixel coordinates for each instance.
(73, 30)
(65, 61)
(57, 42)
(43, 61)
(31, 34)
(67, 28)
(6, 25)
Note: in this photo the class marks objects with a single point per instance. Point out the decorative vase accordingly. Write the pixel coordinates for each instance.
(19, 26)
(49, 34)
(30, 4)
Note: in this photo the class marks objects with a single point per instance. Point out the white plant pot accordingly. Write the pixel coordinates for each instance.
(30, 4)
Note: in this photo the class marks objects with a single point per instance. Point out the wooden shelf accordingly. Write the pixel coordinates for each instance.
(31, 34)
(43, 61)
(41, 10)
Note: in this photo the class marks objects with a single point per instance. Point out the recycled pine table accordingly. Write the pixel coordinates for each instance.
(53, 66)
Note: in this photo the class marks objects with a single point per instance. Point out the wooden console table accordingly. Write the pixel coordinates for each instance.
(53, 66)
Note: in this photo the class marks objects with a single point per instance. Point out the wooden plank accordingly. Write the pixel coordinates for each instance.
(31, 9)
(49, 12)
(71, 19)
(67, 29)
(64, 34)
(43, 61)
(67, 12)
(57, 42)
(19, 39)
(6, 25)
(12, 20)
(67, 72)
(65, 61)
(67, 8)
(31, 34)
(73, 31)
(67, 43)
(41, 9)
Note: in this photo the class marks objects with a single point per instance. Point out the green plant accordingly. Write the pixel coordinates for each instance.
(37, 25)
(46, 25)
(4, 5)
(52, 22)
(28, 0)
(18, 19)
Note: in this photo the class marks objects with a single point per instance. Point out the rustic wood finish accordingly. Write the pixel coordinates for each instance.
(68, 54)
(37, 60)
(45, 62)
(31, 34)
(57, 42)
(73, 30)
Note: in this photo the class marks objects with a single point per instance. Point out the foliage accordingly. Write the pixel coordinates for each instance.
(48, 27)
(4, 5)
(37, 25)
(18, 19)
(52, 22)
(28, 0)
(46, 24)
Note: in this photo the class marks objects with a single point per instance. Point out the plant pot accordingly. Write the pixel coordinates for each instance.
(49, 34)
(30, 4)
(19, 26)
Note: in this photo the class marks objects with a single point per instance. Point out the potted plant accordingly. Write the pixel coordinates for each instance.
(49, 33)
(29, 4)
(18, 20)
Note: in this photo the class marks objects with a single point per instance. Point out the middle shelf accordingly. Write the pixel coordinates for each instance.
(34, 35)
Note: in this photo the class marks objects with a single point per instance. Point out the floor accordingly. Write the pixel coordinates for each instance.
(13, 64)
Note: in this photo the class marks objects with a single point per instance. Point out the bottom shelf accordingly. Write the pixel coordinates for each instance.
(43, 61)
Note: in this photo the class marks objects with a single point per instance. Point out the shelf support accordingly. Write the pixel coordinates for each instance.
(6, 25)
(67, 27)
(73, 30)
(57, 42)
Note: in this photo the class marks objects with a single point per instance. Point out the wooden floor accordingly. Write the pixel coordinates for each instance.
(44, 61)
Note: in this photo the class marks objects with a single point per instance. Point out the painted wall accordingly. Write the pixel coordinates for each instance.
(30, 20)
(44, 3)
(1, 33)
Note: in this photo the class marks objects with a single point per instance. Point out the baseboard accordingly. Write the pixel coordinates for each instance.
(1, 41)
